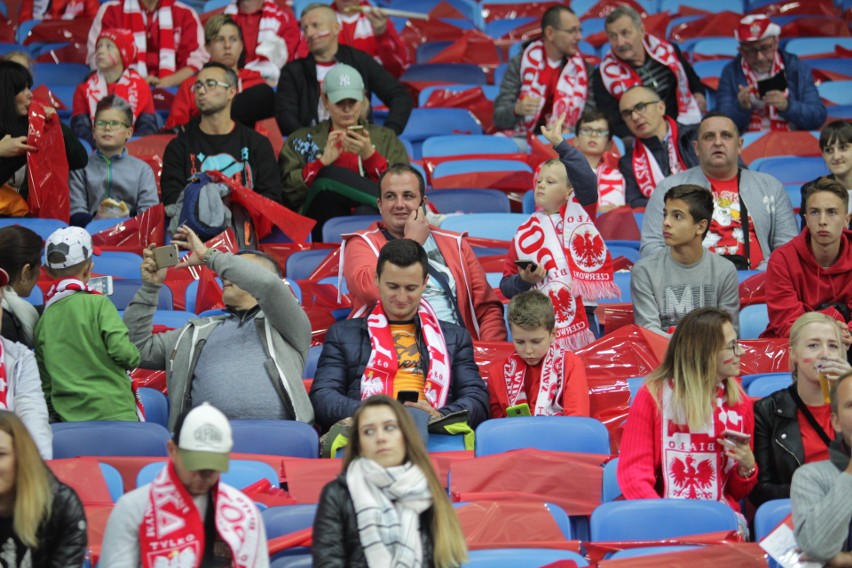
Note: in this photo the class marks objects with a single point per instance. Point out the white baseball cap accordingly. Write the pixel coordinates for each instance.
(73, 243)
(204, 439)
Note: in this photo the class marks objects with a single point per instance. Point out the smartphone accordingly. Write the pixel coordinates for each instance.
(523, 264)
(355, 127)
(777, 82)
(736, 436)
(102, 284)
(522, 409)
(404, 396)
(166, 256)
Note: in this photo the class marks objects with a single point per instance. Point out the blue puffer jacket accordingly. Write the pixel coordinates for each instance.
(336, 390)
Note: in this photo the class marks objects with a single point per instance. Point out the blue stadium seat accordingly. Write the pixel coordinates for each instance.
(499, 71)
(500, 226)
(528, 203)
(460, 145)
(764, 386)
(629, 253)
(513, 557)
(836, 92)
(156, 406)
(429, 49)
(486, 174)
(499, 28)
(791, 169)
(301, 263)
(657, 519)
(555, 433)
(24, 29)
(838, 65)
(337, 226)
(622, 279)
(649, 551)
(282, 560)
(814, 46)
(311, 361)
(125, 289)
(746, 380)
(610, 489)
(240, 474)
(468, 8)
(490, 91)
(769, 515)
(275, 437)
(174, 319)
(753, 321)
(794, 192)
(72, 439)
(444, 73)
(56, 74)
(113, 480)
(710, 68)
(469, 200)
(673, 6)
(36, 297)
(287, 519)
(44, 227)
(743, 275)
(191, 295)
(634, 384)
(716, 47)
(118, 264)
(840, 112)
(426, 122)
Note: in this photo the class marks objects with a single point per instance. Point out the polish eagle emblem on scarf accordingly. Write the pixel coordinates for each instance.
(693, 480)
(587, 248)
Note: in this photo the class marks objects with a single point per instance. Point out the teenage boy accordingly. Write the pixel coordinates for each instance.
(114, 183)
(593, 137)
(813, 272)
(559, 250)
(82, 346)
(673, 281)
(835, 143)
(548, 379)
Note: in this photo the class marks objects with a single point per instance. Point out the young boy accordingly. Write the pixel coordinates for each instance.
(684, 276)
(559, 250)
(115, 51)
(82, 347)
(114, 183)
(835, 143)
(593, 139)
(550, 380)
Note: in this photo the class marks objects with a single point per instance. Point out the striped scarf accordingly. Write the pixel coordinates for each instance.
(128, 87)
(764, 117)
(270, 45)
(134, 20)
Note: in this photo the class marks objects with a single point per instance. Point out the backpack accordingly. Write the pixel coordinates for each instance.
(202, 207)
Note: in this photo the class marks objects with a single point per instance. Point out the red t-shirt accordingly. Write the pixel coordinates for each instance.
(725, 236)
(815, 448)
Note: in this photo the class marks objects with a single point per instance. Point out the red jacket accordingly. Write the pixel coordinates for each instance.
(575, 388)
(480, 308)
(640, 457)
(61, 10)
(388, 48)
(797, 284)
(184, 106)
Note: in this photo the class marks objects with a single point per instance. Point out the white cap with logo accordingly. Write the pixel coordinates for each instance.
(204, 440)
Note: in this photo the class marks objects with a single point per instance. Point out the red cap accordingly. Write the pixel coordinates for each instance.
(756, 27)
(123, 40)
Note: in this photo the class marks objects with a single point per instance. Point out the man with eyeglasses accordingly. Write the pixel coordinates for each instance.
(639, 58)
(548, 78)
(662, 146)
(766, 88)
(216, 142)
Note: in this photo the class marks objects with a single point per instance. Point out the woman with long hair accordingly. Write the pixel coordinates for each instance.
(688, 435)
(793, 426)
(387, 507)
(20, 257)
(42, 522)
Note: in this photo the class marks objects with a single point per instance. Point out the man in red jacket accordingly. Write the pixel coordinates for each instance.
(457, 287)
(813, 272)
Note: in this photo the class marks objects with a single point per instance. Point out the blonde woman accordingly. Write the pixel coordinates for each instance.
(792, 427)
(42, 522)
(688, 435)
(387, 497)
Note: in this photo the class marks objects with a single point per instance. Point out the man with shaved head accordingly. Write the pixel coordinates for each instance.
(297, 101)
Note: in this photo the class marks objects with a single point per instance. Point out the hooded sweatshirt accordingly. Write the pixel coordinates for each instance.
(796, 284)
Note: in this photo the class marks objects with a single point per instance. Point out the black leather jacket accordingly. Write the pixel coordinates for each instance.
(62, 537)
(336, 541)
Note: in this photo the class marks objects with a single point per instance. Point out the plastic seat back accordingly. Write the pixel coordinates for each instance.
(72, 439)
(500, 226)
(656, 519)
(746, 380)
(113, 480)
(311, 361)
(514, 557)
(764, 386)
(118, 264)
(464, 200)
(753, 321)
(156, 406)
(287, 519)
(337, 226)
(43, 227)
(301, 263)
(554, 433)
(240, 474)
(769, 515)
(125, 289)
(275, 437)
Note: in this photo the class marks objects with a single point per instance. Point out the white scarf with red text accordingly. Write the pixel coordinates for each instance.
(381, 369)
(694, 463)
(610, 186)
(135, 22)
(645, 167)
(765, 117)
(550, 386)
(127, 87)
(571, 93)
(172, 530)
(618, 76)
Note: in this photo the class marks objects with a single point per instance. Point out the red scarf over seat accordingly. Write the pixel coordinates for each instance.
(767, 113)
(618, 76)
(134, 21)
(172, 530)
(646, 169)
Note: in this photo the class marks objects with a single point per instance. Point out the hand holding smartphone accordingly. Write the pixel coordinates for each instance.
(524, 264)
(404, 396)
(166, 256)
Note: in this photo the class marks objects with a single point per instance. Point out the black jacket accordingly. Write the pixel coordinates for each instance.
(778, 446)
(62, 537)
(336, 539)
(336, 390)
(297, 97)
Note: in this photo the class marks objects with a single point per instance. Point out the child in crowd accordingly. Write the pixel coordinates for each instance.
(550, 380)
(835, 143)
(114, 52)
(114, 183)
(82, 346)
(594, 139)
(684, 276)
(559, 250)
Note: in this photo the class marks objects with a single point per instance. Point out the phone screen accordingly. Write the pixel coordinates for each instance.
(102, 284)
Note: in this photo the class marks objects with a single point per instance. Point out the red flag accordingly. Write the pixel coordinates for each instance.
(47, 168)
(209, 294)
(135, 233)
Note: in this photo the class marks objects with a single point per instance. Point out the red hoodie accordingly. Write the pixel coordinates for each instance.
(796, 284)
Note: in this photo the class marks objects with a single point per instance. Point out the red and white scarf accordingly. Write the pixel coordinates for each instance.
(694, 464)
(127, 87)
(550, 386)
(618, 76)
(645, 167)
(270, 45)
(381, 369)
(134, 20)
(764, 116)
(572, 87)
(578, 265)
(172, 530)
(610, 186)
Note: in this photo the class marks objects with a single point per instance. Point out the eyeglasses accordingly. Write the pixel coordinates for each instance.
(572, 31)
(734, 346)
(763, 49)
(594, 132)
(110, 124)
(640, 108)
(208, 84)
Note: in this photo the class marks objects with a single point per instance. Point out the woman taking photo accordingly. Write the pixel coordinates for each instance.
(793, 426)
(688, 435)
(20, 257)
(42, 522)
(387, 508)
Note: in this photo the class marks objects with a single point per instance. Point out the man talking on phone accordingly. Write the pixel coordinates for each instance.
(400, 347)
(456, 287)
(766, 88)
